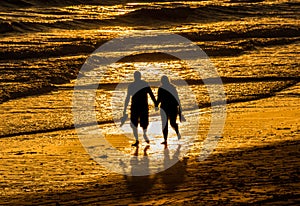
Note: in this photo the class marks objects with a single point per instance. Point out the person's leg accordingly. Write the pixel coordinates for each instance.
(144, 122)
(164, 124)
(135, 132)
(134, 117)
(174, 125)
(145, 135)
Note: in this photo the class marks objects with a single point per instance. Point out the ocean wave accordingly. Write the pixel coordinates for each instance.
(245, 1)
(15, 3)
(6, 27)
(165, 14)
(19, 90)
(208, 13)
(193, 82)
(46, 52)
(25, 26)
(44, 3)
(276, 31)
(23, 89)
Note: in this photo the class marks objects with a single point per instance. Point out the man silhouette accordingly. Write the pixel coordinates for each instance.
(138, 91)
(170, 107)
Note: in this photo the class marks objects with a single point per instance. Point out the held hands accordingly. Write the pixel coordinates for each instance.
(156, 106)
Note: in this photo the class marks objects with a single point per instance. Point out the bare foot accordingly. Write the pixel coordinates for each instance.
(135, 144)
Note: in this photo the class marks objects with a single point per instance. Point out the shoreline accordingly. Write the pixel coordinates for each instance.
(256, 161)
(64, 94)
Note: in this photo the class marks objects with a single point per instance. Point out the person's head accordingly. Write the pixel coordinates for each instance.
(165, 80)
(137, 75)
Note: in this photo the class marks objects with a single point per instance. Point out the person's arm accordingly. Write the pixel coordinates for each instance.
(181, 117)
(126, 102)
(152, 96)
(158, 97)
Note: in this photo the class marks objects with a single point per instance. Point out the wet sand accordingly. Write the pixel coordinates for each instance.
(256, 162)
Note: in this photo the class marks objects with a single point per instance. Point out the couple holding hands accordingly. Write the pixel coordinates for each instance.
(169, 102)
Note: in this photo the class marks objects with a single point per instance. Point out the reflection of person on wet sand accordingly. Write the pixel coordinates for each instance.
(139, 185)
(170, 107)
(139, 105)
(140, 166)
(173, 174)
(167, 160)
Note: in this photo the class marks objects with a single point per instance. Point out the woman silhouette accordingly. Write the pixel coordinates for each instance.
(170, 107)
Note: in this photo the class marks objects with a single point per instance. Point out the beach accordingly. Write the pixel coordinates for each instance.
(50, 51)
(256, 162)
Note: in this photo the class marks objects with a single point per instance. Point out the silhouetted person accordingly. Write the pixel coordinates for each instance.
(138, 91)
(169, 107)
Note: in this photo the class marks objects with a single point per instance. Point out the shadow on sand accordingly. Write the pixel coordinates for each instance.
(258, 175)
(170, 178)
